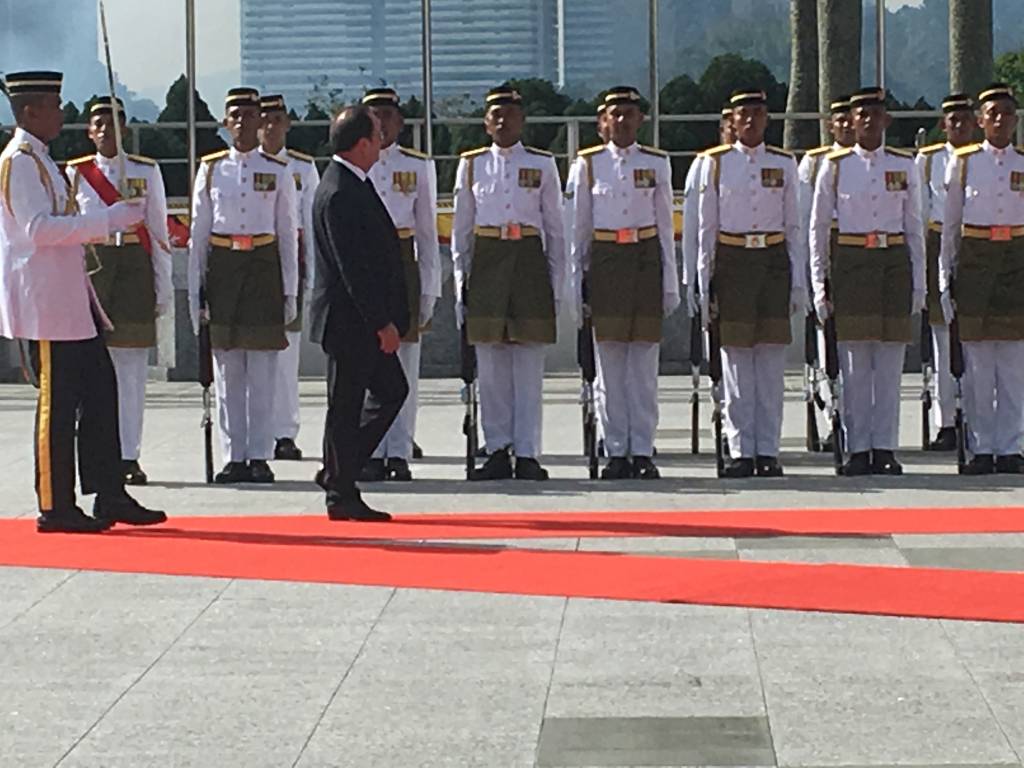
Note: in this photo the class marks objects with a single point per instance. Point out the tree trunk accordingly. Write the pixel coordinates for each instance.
(803, 72)
(839, 35)
(970, 45)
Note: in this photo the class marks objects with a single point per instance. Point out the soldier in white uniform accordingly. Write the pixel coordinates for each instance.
(508, 247)
(875, 270)
(751, 268)
(980, 277)
(623, 242)
(134, 281)
(959, 124)
(47, 300)
(407, 183)
(273, 137)
(244, 253)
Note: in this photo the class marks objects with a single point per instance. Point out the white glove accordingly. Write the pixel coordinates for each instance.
(822, 309)
(123, 215)
(692, 305)
(291, 310)
(193, 313)
(460, 312)
(948, 307)
(426, 309)
(670, 302)
(162, 309)
(797, 299)
(917, 301)
(705, 310)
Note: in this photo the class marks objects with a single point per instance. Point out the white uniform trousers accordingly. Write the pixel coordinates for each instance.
(629, 408)
(944, 389)
(871, 373)
(511, 396)
(286, 388)
(995, 408)
(600, 410)
(132, 367)
(244, 381)
(397, 443)
(754, 387)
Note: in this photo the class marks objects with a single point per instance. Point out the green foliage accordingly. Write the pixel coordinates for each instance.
(1009, 69)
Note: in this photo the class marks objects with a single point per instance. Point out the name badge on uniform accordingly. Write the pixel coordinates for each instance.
(773, 178)
(644, 178)
(403, 181)
(298, 181)
(264, 182)
(896, 181)
(529, 178)
(1017, 181)
(134, 188)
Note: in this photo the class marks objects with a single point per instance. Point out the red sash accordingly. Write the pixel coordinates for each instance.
(108, 194)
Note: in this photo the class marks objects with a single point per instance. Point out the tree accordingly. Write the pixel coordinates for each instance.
(72, 142)
(729, 72)
(803, 72)
(970, 45)
(1009, 69)
(680, 96)
(839, 32)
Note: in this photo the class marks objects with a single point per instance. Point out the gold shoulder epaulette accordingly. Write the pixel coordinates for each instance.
(592, 150)
(294, 154)
(900, 152)
(410, 152)
(721, 149)
(474, 152)
(970, 149)
(839, 154)
(26, 148)
(931, 148)
(538, 151)
(779, 151)
(142, 159)
(653, 151)
(819, 151)
(273, 159)
(213, 157)
(80, 160)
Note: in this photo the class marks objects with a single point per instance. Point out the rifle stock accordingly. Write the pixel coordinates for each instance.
(832, 371)
(696, 358)
(587, 359)
(715, 372)
(468, 373)
(956, 368)
(811, 381)
(206, 381)
(927, 372)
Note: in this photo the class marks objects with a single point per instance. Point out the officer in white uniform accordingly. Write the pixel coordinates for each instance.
(134, 281)
(623, 241)
(876, 274)
(273, 137)
(47, 300)
(959, 124)
(244, 253)
(407, 183)
(508, 247)
(981, 279)
(751, 257)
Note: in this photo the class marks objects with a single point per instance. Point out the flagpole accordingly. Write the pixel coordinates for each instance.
(190, 76)
(428, 81)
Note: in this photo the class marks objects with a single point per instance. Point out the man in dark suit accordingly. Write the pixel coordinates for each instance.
(360, 311)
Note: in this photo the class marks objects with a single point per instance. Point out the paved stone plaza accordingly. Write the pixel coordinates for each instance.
(124, 670)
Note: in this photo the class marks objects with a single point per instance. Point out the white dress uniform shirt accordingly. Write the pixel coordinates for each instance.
(691, 231)
(307, 179)
(932, 167)
(496, 199)
(45, 292)
(225, 201)
(414, 208)
(744, 204)
(611, 200)
(984, 198)
(862, 204)
(807, 173)
(155, 218)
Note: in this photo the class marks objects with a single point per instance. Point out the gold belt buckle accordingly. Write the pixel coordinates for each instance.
(241, 243)
(876, 240)
(627, 235)
(759, 240)
(511, 232)
(1000, 234)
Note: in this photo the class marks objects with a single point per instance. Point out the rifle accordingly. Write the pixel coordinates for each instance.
(956, 367)
(206, 381)
(832, 371)
(588, 372)
(696, 358)
(812, 399)
(715, 372)
(927, 371)
(469, 393)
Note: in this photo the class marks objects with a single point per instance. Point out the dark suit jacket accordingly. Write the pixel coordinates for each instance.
(360, 280)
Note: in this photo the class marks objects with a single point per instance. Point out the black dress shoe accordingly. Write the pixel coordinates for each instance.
(617, 468)
(233, 472)
(644, 469)
(739, 468)
(398, 469)
(883, 462)
(981, 464)
(133, 474)
(530, 469)
(125, 509)
(417, 452)
(1009, 465)
(497, 467)
(260, 471)
(375, 471)
(320, 478)
(356, 509)
(72, 520)
(858, 464)
(945, 440)
(768, 466)
(285, 449)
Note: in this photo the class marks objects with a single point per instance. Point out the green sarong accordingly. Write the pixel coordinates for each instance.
(751, 287)
(125, 287)
(933, 244)
(989, 290)
(871, 290)
(246, 298)
(624, 283)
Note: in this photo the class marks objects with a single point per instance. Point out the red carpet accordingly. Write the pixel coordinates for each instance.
(315, 550)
